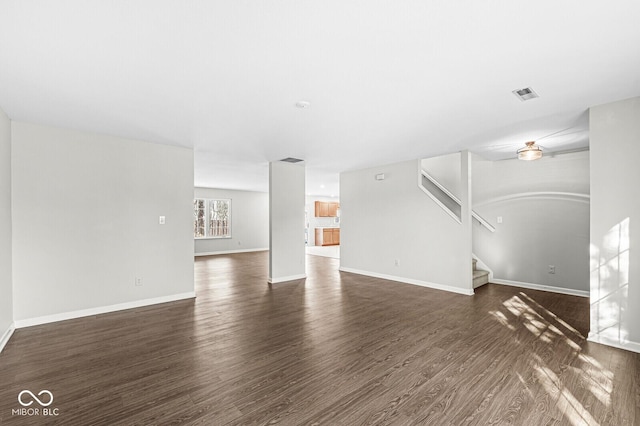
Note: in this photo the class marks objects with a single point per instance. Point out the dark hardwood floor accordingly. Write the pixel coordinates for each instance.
(334, 349)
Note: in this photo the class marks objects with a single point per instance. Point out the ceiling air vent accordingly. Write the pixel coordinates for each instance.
(291, 160)
(525, 94)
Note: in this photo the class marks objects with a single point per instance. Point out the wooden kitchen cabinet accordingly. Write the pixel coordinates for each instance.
(322, 209)
(327, 236)
(326, 209)
(333, 209)
(336, 236)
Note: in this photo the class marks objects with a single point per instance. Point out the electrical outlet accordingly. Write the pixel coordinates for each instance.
(499, 219)
(162, 220)
(552, 269)
(397, 263)
(138, 281)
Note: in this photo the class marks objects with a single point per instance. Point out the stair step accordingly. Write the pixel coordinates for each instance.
(480, 277)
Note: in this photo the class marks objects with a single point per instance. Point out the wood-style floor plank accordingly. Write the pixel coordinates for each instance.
(334, 349)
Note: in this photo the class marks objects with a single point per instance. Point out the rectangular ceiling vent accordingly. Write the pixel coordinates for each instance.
(525, 94)
(291, 160)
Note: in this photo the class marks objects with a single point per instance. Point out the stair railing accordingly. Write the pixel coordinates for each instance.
(446, 200)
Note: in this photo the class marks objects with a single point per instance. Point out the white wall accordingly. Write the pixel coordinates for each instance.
(544, 206)
(6, 292)
(552, 173)
(85, 221)
(615, 223)
(382, 221)
(286, 223)
(249, 222)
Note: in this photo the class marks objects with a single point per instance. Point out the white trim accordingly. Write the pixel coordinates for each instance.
(285, 279)
(442, 188)
(542, 287)
(7, 335)
(439, 203)
(435, 199)
(213, 253)
(628, 346)
(466, 292)
(482, 221)
(102, 310)
(542, 195)
(474, 214)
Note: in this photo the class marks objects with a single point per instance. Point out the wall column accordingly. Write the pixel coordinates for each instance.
(615, 224)
(465, 217)
(6, 236)
(286, 222)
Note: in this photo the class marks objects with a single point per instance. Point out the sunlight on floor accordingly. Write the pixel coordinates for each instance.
(600, 380)
(502, 319)
(568, 405)
(588, 374)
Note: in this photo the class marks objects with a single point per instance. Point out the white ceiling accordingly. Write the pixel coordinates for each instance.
(387, 80)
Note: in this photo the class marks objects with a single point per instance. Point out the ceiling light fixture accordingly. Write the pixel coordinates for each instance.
(302, 104)
(530, 152)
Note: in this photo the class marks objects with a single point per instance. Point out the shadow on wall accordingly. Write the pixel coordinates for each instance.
(610, 283)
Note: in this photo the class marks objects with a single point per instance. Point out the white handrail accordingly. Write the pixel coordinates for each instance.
(438, 202)
(483, 222)
(474, 214)
(442, 188)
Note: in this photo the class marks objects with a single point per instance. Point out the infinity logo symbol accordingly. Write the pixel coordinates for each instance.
(26, 404)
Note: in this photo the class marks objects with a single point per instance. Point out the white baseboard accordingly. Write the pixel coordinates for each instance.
(627, 346)
(213, 253)
(542, 287)
(285, 279)
(467, 292)
(6, 336)
(101, 310)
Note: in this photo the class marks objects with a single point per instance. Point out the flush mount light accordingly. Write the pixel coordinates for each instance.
(302, 104)
(530, 152)
(525, 94)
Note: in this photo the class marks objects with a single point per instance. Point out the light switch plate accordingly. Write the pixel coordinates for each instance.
(161, 220)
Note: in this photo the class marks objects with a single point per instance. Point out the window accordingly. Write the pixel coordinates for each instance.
(212, 218)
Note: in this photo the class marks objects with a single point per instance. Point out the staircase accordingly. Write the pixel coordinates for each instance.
(452, 205)
(480, 277)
